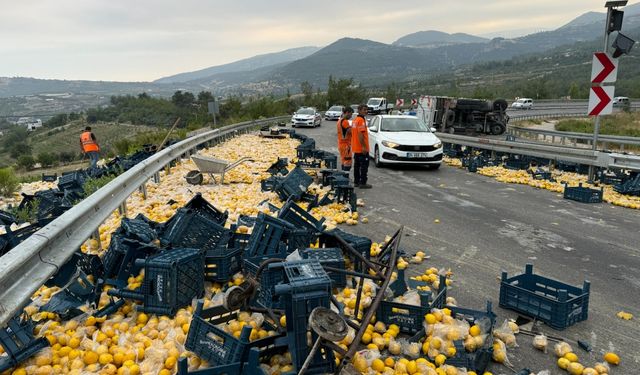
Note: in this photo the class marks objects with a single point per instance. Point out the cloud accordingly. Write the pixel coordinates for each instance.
(146, 39)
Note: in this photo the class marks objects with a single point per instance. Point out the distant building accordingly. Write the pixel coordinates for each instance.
(30, 123)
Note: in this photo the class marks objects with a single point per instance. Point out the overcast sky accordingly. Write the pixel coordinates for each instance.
(140, 40)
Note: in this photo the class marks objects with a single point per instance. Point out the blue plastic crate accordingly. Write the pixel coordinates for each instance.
(120, 259)
(306, 287)
(583, 194)
(268, 238)
(326, 175)
(211, 343)
(479, 359)
(329, 257)
(251, 367)
(203, 208)
(221, 264)
(361, 244)
(172, 279)
(295, 215)
(294, 184)
(557, 304)
(410, 317)
(72, 180)
(271, 275)
(190, 229)
(18, 342)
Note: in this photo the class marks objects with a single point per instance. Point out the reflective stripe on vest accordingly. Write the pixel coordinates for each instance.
(88, 144)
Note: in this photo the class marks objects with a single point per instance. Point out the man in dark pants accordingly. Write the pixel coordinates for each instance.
(360, 148)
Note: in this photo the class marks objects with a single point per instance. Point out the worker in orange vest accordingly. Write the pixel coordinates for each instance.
(360, 148)
(90, 146)
(344, 139)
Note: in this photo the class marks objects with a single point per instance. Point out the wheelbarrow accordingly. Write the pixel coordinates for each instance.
(211, 166)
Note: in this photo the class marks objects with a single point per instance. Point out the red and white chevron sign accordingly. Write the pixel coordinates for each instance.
(604, 68)
(399, 102)
(600, 102)
(414, 101)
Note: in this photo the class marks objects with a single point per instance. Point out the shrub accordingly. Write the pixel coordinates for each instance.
(47, 159)
(8, 182)
(26, 162)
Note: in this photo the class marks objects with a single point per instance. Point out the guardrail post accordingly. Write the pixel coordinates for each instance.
(621, 146)
(553, 139)
(156, 177)
(604, 145)
(143, 190)
(96, 236)
(562, 140)
(122, 209)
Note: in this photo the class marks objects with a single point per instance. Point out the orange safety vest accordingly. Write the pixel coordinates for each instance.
(359, 126)
(344, 141)
(88, 144)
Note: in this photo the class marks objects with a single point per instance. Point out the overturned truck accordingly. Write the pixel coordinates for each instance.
(464, 115)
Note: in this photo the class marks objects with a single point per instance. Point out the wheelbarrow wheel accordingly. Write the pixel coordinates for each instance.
(194, 177)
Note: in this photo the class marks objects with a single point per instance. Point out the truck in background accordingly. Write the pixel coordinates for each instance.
(377, 106)
(452, 115)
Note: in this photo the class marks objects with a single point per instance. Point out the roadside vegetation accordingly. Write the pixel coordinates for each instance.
(624, 124)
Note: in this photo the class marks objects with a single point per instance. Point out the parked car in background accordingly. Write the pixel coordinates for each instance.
(333, 113)
(522, 103)
(621, 102)
(306, 116)
(400, 139)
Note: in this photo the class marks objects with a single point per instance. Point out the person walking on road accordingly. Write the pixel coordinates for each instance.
(344, 139)
(89, 145)
(360, 148)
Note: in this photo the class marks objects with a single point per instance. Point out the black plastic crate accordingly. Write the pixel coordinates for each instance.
(517, 163)
(295, 215)
(361, 244)
(557, 304)
(410, 317)
(567, 166)
(72, 180)
(294, 184)
(347, 194)
(18, 342)
(329, 257)
(49, 177)
(279, 167)
(327, 174)
(203, 208)
(221, 264)
(275, 238)
(583, 194)
(213, 344)
(120, 259)
(630, 186)
(172, 279)
(190, 229)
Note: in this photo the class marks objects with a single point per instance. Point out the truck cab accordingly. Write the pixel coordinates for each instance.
(378, 105)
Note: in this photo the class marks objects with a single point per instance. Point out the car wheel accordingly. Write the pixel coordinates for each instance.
(293, 126)
(376, 158)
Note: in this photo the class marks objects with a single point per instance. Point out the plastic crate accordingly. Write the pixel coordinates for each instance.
(539, 174)
(271, 275)
(567, 166)
(630, 186)
(206, 209)
(295, 215)
(330, 257)
(410, 317)
(18, 342)
(306, 287)
(517, 163)
(479, 359)
(72, 180)
(251, 367)
(583, 194)
(557, 304)
(211, 343)
(279, 167)
(221, 264)
(294, 184)
(119, 260)
(172, 279)
(347, 194)
(361, 244)
(137, 229)
(327, 174)
(268, 238)
(49, 177)
(190, 229)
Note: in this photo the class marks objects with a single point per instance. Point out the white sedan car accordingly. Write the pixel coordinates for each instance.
(403, 140)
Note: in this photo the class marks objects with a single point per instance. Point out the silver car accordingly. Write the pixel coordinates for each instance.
(333, 113)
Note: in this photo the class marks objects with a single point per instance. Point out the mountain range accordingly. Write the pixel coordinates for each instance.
(414, 56)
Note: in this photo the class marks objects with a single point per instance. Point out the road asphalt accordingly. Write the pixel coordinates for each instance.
(486, 227)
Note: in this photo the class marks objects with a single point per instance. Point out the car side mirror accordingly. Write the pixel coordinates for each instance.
(433, 130)
(373, 129)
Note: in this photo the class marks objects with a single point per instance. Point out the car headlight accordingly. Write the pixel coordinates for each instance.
(390, 144)
(437, 145)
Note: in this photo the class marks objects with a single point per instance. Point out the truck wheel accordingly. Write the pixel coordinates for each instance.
(449, 118)
(500, 105)
(497, 129)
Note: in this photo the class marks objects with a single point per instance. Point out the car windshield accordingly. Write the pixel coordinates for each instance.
(403, 125)
(305, 111)
(373, 102)
(335, 108)
(522, 100)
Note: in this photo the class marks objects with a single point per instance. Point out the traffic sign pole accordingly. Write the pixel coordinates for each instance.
(596, 127)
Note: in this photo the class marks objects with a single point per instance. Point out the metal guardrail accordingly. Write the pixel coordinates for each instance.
(30, 264)
(548, 151)
(574, 136)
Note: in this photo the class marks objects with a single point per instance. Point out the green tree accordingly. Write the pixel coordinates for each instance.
(8, 182)
(57, 120)
(183, 99)
(574, 91)
(47, 159)
(26, 162)
(307, 90)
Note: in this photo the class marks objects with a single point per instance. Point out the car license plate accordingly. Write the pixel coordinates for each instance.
(416, 154)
